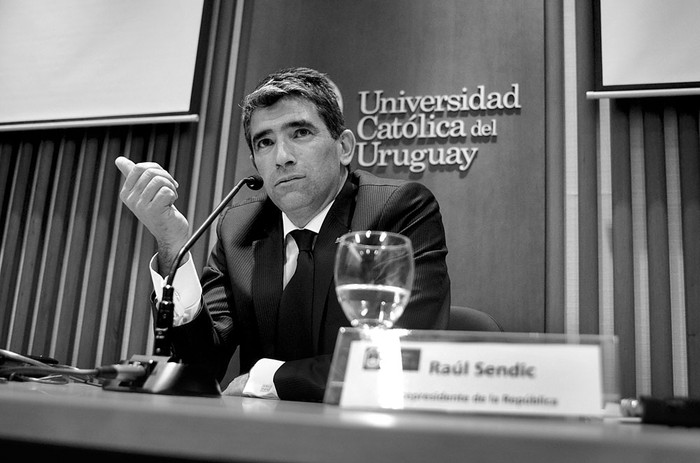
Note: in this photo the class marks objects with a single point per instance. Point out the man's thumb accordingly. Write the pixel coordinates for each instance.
(124, 165)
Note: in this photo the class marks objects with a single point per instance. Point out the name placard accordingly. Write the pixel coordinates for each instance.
(561, 379)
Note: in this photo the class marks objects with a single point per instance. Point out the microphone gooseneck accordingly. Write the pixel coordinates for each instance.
(164, 316)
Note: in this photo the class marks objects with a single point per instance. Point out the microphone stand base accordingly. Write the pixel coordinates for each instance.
(168, 378)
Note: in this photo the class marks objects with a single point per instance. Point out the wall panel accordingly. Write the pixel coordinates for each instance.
(689, 166)
(623, 265)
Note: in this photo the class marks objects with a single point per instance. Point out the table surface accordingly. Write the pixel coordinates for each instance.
(247, 429)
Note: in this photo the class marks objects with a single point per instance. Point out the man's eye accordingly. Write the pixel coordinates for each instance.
(263, 143)
(303, 132)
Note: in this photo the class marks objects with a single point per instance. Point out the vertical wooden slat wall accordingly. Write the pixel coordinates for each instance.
(623, 216)
(653, 150)
(662, 205)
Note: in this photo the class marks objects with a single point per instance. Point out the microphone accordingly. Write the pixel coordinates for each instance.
(161, 375)
(164, 318)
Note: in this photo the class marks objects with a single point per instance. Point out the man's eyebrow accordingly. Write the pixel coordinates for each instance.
(299, 123)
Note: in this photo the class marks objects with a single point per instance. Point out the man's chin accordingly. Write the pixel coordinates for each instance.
(291, 201)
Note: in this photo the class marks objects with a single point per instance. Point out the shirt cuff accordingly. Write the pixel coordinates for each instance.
(187, 291)
(260, 380)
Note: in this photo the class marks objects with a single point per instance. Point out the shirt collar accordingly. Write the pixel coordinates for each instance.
(314, 224)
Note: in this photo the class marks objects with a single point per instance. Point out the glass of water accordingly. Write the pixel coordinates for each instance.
(373, 277)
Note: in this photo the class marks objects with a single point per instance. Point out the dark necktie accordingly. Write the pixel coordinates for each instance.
(294, 339)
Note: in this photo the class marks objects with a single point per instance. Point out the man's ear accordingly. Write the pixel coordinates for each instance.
(346, 147)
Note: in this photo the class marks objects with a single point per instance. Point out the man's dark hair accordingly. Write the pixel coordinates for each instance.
(298, 82)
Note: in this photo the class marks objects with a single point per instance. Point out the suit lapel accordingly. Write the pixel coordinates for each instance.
(268, 255)
(334, 226)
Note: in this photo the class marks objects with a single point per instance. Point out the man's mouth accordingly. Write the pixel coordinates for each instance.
(287, 179)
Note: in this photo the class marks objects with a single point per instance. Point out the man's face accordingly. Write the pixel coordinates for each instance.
(301, 164)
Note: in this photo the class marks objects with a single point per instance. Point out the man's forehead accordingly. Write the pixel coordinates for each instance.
(286, 111)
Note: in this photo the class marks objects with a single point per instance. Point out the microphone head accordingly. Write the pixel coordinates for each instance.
(254, 182)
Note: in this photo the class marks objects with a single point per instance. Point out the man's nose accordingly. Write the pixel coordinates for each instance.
(284, 153)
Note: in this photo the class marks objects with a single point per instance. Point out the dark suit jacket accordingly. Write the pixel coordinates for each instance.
(242, 282)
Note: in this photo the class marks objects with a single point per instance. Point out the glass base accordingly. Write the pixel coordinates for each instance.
(372, 323)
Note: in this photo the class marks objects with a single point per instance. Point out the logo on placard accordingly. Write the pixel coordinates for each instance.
(372, 360)
(410, 359)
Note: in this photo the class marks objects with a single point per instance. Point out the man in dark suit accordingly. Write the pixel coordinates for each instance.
(300, 147)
